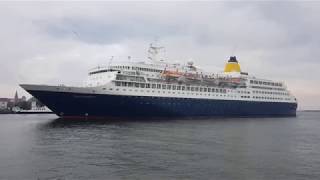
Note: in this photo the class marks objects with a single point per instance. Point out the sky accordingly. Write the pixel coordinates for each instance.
(58, 42)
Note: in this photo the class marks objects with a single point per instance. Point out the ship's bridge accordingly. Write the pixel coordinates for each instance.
(103, 74)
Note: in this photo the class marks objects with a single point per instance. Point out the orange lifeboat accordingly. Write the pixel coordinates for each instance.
(172, 74)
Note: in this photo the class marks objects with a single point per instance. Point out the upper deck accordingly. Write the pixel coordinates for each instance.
(187, 77)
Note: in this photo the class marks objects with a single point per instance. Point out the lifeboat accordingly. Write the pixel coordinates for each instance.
(170, 75)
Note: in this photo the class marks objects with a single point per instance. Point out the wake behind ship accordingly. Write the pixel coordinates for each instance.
(156, 88)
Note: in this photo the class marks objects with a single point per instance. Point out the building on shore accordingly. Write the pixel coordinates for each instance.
(9, 103)
(4, 103)
(17, 100)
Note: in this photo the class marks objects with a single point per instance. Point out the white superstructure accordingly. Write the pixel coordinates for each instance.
(159, 78)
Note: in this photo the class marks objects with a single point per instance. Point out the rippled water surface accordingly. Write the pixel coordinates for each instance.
(43, 147)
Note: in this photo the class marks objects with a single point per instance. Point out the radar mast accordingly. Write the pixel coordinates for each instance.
(154, 52)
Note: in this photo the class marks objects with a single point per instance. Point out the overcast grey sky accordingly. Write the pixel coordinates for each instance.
(56, 43)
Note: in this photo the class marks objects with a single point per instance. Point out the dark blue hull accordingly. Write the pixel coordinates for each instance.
(72, 104)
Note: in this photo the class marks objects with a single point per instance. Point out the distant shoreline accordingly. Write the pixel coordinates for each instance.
(316, 110)
(6, 112)
(11, 112)
(28, 113)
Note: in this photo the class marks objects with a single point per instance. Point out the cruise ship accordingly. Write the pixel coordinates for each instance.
(157, 88)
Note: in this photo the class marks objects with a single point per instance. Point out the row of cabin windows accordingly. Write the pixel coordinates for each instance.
(120, 67)
(146, 69)
(209, 94)
(170, 87)
(265, 83)
(136, 68)
(245, 96)
(244, 92)
(185, 101)
(178, 92)
(269, 88)
(129, 78)
(270, 98)
(266, 92)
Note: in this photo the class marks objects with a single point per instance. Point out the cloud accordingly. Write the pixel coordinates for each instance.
(57, 42)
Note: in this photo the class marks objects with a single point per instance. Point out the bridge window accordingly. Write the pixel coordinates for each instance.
(153, 86)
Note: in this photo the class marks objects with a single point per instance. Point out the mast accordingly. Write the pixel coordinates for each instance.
(154, 51)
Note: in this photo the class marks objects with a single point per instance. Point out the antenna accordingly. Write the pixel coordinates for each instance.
(156, 40)
(153, 52)
(234, 50)
(110, 61)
